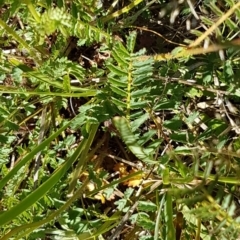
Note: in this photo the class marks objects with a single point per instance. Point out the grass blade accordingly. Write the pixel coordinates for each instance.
(45, 187)
(31, 155)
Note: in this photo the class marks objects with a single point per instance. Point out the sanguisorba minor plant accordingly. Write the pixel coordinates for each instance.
(100, 140)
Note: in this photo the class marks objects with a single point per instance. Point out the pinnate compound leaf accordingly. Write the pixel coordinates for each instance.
(130, 140)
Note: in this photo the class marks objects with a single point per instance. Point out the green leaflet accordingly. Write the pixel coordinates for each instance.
(143, 70)
(117, 70)
(121, 50)
(147, 62)
(121, 82)
(137, 105)
(139, 121)
(130, 140)
(141, 79)
(118, 102)
(117, 54)
(141, 92)
(119, 91)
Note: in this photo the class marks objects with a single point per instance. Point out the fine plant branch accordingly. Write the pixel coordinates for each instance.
(214, 26)
(192, 82)
(121, 11)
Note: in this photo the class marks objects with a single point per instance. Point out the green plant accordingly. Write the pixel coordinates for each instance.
(99, 133)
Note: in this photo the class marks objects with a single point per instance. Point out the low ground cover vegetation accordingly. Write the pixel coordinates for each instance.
(119, 119)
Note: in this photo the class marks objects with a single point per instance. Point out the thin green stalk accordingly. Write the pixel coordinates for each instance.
(14, 35)
(20, 40)
(168, 212)
(158, 221)
(198, 232)
(121, 11)
(231, 180)
(32, 10)
(86, 93)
